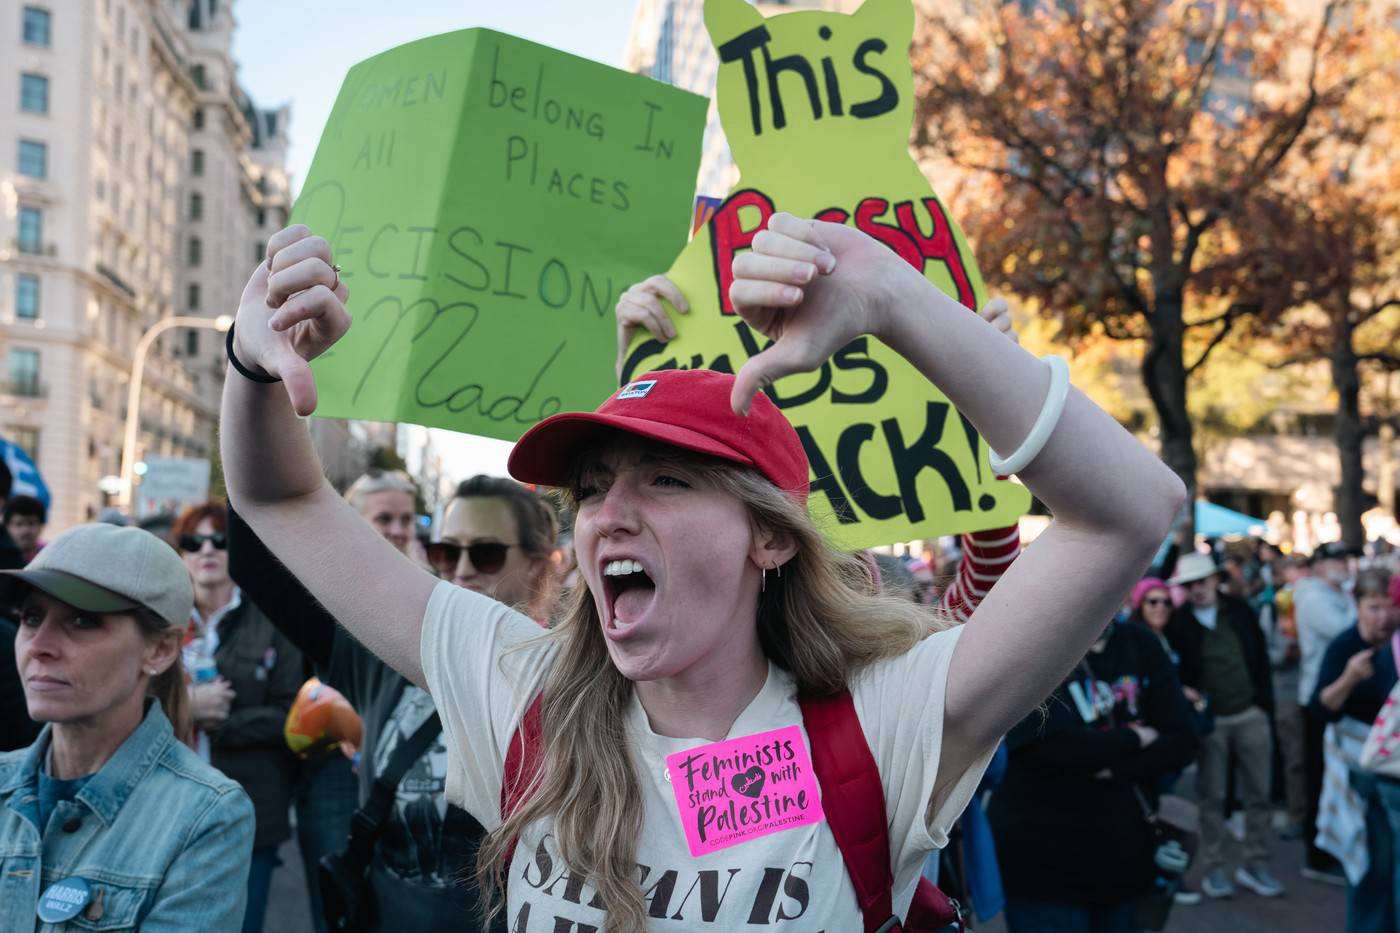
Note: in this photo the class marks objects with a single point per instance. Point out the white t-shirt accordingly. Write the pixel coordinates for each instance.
(794, 876)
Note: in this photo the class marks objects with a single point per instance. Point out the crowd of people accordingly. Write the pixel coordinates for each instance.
(649, 589)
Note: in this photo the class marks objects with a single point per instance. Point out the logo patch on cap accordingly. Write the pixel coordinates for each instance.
(636, 389)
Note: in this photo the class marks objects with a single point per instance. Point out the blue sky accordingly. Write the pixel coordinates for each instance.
(297, 51)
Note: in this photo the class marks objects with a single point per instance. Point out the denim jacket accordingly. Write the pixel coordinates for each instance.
(162, 838)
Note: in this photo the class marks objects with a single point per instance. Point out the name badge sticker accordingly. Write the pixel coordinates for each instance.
(64, 900)
(741, 789)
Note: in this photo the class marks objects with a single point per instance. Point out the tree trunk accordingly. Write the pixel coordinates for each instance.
(1385, 469)
(1164, 376)
(1347, 381)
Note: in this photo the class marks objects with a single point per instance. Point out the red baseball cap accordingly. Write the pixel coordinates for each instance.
(686, 408)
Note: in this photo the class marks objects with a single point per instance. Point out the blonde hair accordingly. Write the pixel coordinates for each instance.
(169, 688)
(821, 621)
(377, 480)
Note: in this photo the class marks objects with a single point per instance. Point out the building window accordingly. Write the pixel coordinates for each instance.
(27, 297)
(199, 118)
(196, 206)
(196, 251)
(196, 162)
(33, 159)
(262, 219)
(201, 79)
(25, 438)
(31, 230)
(24, 372)
(192, 343)
(192, 297)
(33, 93)
(37, 24)
(259, 251)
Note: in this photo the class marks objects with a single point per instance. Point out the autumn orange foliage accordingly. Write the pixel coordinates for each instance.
(1113, 150)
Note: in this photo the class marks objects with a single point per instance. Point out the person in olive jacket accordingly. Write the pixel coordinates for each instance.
(1224, 657)
(245, 676)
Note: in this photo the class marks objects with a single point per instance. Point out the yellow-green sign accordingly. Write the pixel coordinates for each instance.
(488, 199)
(817, 109)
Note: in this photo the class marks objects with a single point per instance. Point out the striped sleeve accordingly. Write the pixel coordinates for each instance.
(985, 557)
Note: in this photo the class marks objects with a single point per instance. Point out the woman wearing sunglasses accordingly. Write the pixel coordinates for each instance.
(497, 538)
(244, 676)
(1152, 607)
(691, 490)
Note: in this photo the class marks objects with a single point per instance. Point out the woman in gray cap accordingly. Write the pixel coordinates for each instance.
(109, 819)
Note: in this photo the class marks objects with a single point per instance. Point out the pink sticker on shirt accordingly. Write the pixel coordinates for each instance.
(740, 789)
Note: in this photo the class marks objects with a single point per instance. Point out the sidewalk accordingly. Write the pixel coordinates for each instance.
(287, 906)
(1305, 907)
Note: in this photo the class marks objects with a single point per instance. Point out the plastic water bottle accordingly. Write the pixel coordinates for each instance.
(201, 664)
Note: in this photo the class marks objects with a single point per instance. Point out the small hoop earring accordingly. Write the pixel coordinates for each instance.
(763, 581)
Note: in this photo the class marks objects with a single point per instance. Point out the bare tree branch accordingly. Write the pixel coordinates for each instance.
(1295, 359)
(1377, 310)
(1227, 321)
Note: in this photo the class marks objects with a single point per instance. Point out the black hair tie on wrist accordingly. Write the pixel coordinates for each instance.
(244, 371)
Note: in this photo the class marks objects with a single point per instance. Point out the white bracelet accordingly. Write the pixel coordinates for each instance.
(1044, 425)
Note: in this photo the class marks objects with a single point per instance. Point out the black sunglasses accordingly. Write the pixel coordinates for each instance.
(1157, 601)
(486, 556)
(192, 543)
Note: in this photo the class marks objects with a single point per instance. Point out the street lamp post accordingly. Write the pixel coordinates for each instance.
(133, 390)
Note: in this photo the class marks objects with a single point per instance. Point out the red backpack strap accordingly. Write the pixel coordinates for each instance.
(522, 762)
(853, 799)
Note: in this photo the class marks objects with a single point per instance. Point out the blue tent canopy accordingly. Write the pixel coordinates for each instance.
(1216, 521)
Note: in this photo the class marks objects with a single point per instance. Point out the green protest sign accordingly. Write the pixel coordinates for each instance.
(817, 108)
(488, 199)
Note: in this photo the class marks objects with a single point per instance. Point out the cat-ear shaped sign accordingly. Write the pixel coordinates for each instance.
(725, 19)
(891, 18)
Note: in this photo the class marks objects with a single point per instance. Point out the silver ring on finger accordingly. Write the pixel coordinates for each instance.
(336, 283)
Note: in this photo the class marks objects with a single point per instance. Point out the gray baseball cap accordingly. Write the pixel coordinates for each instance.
(104, 568)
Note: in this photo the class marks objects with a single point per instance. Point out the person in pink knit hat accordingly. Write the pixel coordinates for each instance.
(1152, 604)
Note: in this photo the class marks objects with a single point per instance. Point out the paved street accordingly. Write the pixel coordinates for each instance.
(287, 910)
(1306, 907)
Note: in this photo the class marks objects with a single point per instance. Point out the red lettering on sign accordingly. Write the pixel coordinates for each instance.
(888, 234)
(728, 237)
(906, 237)
(939, 245)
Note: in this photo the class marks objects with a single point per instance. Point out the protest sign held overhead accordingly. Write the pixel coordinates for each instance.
(817, 108)
(488, 199)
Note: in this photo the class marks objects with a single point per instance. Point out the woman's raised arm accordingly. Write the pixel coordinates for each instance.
(292, 310)
(813, 287)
